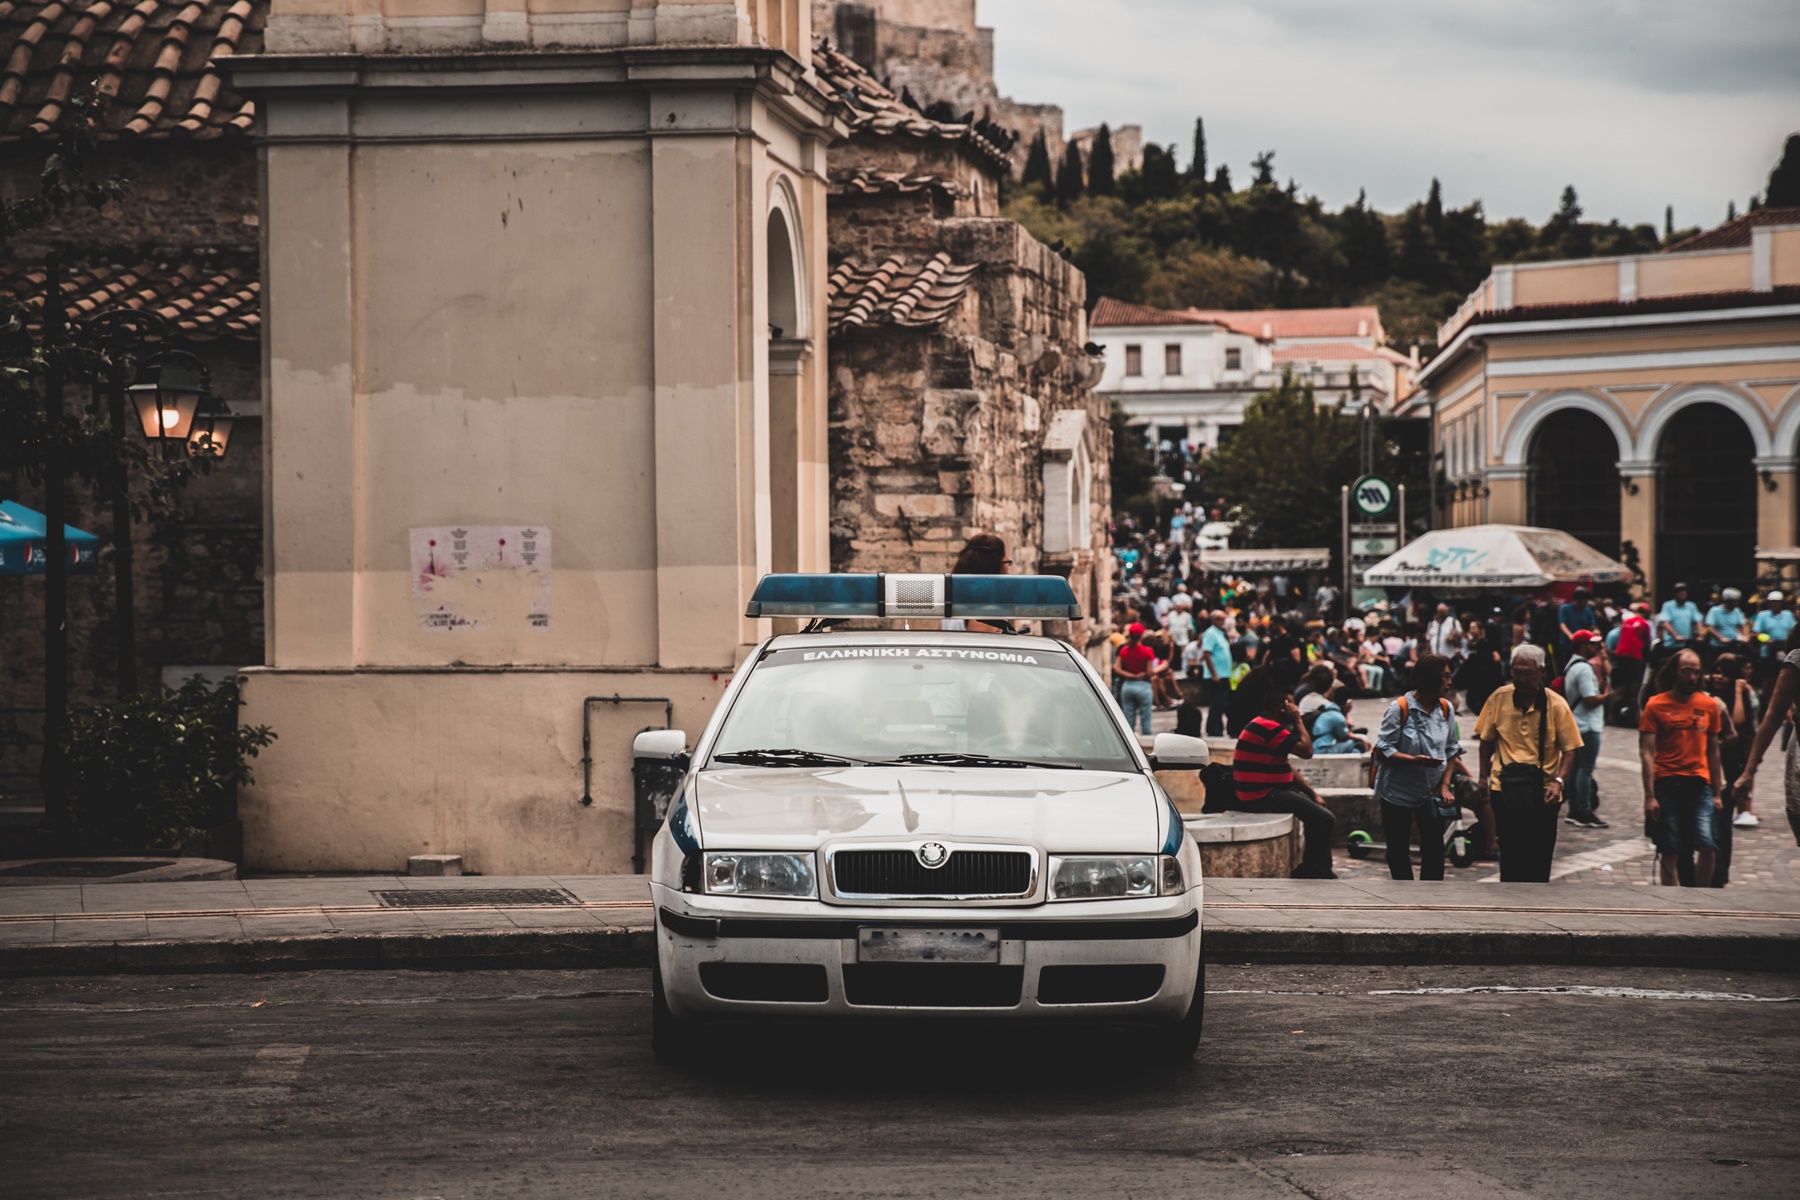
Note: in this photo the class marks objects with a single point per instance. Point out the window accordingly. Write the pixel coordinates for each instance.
(1234, 359)
(1134, 360)
(1172, 359)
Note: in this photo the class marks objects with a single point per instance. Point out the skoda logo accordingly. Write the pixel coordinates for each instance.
(933, 854)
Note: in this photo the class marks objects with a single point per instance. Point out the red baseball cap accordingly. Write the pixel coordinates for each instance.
(1581, 636)
(1134, 627)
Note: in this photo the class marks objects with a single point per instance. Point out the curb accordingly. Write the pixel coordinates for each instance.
(572, 949)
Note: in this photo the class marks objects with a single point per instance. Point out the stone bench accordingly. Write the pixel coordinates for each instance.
(1245, 845)
(1333, 770)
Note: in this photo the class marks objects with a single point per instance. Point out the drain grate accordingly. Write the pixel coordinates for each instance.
(472, 897)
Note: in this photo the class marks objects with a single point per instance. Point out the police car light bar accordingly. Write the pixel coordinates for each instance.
(1004, 597)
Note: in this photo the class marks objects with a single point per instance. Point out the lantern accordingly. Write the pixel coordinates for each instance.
(166, 408)
(211, 432)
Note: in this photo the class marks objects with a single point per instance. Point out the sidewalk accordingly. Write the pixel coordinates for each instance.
(474, 921)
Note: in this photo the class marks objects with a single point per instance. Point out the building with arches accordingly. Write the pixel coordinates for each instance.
(1650, 404)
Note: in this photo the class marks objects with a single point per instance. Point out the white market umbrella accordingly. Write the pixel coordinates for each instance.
(1495, 556)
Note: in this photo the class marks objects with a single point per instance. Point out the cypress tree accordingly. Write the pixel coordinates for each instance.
(1069, 182)
(1731, 210)
(1222, 180)
(1668, 222)
(1784, 180)
(1037, 164)
(1197, 167)
(1100, 164)
(1434, 206)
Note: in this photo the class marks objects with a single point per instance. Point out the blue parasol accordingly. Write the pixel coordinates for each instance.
(22, 543)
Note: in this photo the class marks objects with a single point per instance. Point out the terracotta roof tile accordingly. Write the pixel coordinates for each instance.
(156, 59)
(1735, 232)
(908, 295)
(861, 181)
(1336, 352)
(872, 108)
(202, 298)
(1108, 311)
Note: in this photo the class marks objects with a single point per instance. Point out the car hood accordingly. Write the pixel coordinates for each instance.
(1063, 812)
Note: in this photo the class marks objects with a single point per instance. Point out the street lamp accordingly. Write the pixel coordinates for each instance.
(166, 407)
(210, 436)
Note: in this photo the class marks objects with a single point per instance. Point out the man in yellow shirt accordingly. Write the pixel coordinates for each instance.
(1528, 743)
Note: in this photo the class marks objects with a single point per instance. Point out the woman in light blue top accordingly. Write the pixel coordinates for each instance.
(1414, 752)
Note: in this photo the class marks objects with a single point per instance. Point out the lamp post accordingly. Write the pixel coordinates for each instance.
(108, 351)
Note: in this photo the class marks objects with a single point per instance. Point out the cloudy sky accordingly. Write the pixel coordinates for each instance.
(1638, 103)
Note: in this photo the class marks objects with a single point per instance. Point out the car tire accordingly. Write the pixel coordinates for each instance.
(1174, 1045)
(673, 1039)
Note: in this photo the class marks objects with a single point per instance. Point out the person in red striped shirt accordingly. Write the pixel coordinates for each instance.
(1263, 782)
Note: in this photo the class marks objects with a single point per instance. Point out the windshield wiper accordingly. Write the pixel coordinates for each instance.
(783, 758)
(950, 758)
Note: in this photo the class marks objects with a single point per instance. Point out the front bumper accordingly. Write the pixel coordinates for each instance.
(1130, 961)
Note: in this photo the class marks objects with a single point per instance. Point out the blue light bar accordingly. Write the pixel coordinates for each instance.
(1002, 597)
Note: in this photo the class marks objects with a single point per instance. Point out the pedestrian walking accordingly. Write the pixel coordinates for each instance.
(1480, 670)
(1738, 706)
(1415, 752)
(1770, 631)
(1134, 664)
(1629, 652)
(1444, 633)
(1262, 780)
(1775, 716)
(1678, 745)
(1215, 672)
(1587, 700)
(1528, 743)
(1677, 623)
(1576, 615)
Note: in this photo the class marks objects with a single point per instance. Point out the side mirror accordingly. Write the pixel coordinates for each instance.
(660, 744)
(1178, 752)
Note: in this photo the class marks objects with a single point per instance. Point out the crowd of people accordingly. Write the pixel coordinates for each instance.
(1282, 665)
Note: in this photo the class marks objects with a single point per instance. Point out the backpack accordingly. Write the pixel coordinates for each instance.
(1375, 759)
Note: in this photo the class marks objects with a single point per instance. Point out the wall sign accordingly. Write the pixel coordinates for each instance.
(481, 577)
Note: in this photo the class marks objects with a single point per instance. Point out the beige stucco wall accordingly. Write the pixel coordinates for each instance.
(521, 291)
(1566, 283)
(1681, 274)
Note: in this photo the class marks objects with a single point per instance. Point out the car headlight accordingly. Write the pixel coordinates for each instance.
(1115, 877)
(759, 875)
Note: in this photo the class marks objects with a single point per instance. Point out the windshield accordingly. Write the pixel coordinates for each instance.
(882, 703)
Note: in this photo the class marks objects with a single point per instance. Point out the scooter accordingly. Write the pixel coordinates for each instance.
(1460, 841)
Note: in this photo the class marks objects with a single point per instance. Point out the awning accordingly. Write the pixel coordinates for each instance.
(1238, 562)
(22, 534)
(1495, 556)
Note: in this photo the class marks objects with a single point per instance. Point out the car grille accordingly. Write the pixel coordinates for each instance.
(932, 985)
(900, 873)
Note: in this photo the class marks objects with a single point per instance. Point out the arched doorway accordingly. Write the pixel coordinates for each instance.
(1705, 500)
(1574, 481)
(787, 349)
(784, 303)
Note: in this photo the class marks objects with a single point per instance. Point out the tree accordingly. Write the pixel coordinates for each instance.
(1264, 165)
(1100, 164)
(1784, 180)
(1160, 179)
(1363, 240)
(1668, 222)
(1282, 472)
(1731, 210)
(1132, 469)
(1222, 180)
(1564, 235)
(1196, 171)
(1070, 183)
(1037, 164)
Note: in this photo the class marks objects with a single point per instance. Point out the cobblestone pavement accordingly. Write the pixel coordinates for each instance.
(1764, 857)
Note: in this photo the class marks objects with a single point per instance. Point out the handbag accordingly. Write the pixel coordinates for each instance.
(1523, 782)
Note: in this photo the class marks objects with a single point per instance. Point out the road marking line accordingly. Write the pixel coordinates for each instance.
(320, 910)
(1587, 860)
(1575, 989)
(277, 1064)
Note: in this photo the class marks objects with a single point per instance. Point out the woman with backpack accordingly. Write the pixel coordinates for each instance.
(1415, 753)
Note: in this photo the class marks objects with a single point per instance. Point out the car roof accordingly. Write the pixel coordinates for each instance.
(918, 637)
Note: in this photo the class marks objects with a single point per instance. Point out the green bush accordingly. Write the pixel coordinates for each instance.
(154, 770)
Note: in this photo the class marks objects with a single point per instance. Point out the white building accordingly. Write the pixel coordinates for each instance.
(1186, 375)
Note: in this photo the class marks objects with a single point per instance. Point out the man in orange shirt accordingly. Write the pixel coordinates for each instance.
(1678, 744)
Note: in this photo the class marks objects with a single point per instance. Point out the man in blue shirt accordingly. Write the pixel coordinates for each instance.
(1727, 624)
(1215, 673)
(1679, 620)
(1771, 629)
(1578, 613)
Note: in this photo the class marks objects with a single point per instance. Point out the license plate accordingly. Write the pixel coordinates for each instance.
(928, 945)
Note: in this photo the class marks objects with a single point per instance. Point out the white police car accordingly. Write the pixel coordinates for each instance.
(894, 821)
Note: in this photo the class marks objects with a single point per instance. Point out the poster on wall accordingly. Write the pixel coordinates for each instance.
(476, 578)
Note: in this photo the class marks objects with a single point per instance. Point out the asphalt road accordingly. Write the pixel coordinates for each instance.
(1310, 1083)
